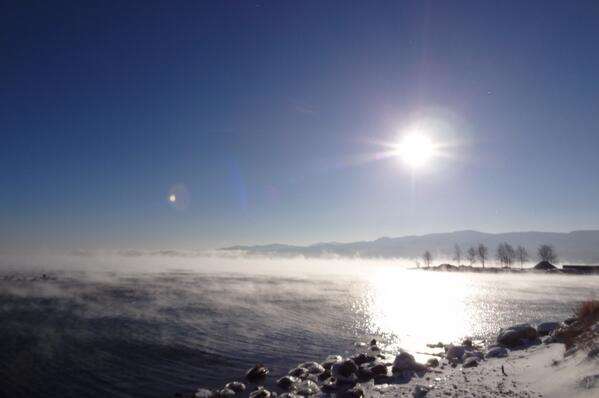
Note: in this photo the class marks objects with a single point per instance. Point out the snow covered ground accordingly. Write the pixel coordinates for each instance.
(539, 371)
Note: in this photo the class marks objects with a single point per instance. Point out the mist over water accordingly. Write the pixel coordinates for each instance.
(153, 326)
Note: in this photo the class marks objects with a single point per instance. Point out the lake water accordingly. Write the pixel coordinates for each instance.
(153, 327)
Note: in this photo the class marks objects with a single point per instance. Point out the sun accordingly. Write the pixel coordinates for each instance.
(172, 198)
(416, 150)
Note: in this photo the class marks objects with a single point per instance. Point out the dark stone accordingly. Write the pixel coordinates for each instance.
(497, 352)
(324, 375)
(329, 385)
(403, 361)
(454, 352)
(474, 354)
(257, 373)
(379, 370)
(286, 382)
(236, 386)
(260, 393)
(362, 359)
(331, 359)
(347, 368)
(300, 372)
(437, 345)
(433, 362)
(355, 392)
(420, 391)
(516, 336)
(545, 328)
(364, 373)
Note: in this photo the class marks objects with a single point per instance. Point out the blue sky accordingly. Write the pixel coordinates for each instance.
(267, 112)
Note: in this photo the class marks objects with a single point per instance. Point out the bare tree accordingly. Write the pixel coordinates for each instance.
(471, 255)
(500, 254)
(457, 254)
(505, 254)
(547, 253)
(510, 254)
(428, 258)
(483, 253)
(521, 255)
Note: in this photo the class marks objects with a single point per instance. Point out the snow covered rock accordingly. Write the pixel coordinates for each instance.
(470, 362)
(260, 393)
(313, 367)
(307, 387)
(203, 393)
(330, 360)
(236, 386)
(300, 372)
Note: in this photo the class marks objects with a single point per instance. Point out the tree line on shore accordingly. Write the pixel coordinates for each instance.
(505, 254)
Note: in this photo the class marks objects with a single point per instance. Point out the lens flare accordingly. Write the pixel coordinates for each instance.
(178, 196)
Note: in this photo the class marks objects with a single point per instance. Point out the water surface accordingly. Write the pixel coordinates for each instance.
(152, 331)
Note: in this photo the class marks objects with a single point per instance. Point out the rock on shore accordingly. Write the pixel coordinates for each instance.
(518, 365)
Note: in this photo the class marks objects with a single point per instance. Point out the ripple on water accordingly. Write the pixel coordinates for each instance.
(155, 334)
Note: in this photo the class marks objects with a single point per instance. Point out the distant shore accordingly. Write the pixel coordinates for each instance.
(568, 269)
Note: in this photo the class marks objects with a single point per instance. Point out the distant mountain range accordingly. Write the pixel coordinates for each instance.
(573, 247)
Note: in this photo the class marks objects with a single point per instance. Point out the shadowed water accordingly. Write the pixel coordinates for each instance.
(153, 333)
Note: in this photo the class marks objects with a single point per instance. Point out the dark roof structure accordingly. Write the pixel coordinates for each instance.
(545, 265)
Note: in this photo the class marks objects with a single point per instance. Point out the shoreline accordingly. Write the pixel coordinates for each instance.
(507, 270)
(550, 360)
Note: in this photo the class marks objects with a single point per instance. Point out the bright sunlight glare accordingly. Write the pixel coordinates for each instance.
(415, 150)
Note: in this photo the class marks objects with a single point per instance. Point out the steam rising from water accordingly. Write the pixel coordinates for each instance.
(151, 326)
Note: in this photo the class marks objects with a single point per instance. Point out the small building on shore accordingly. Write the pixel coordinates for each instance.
(580, 269)
(545, 266)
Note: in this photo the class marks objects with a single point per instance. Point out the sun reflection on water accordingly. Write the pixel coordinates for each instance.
(420, 307)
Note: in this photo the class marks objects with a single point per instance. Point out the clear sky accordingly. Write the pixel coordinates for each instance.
(269, 120)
